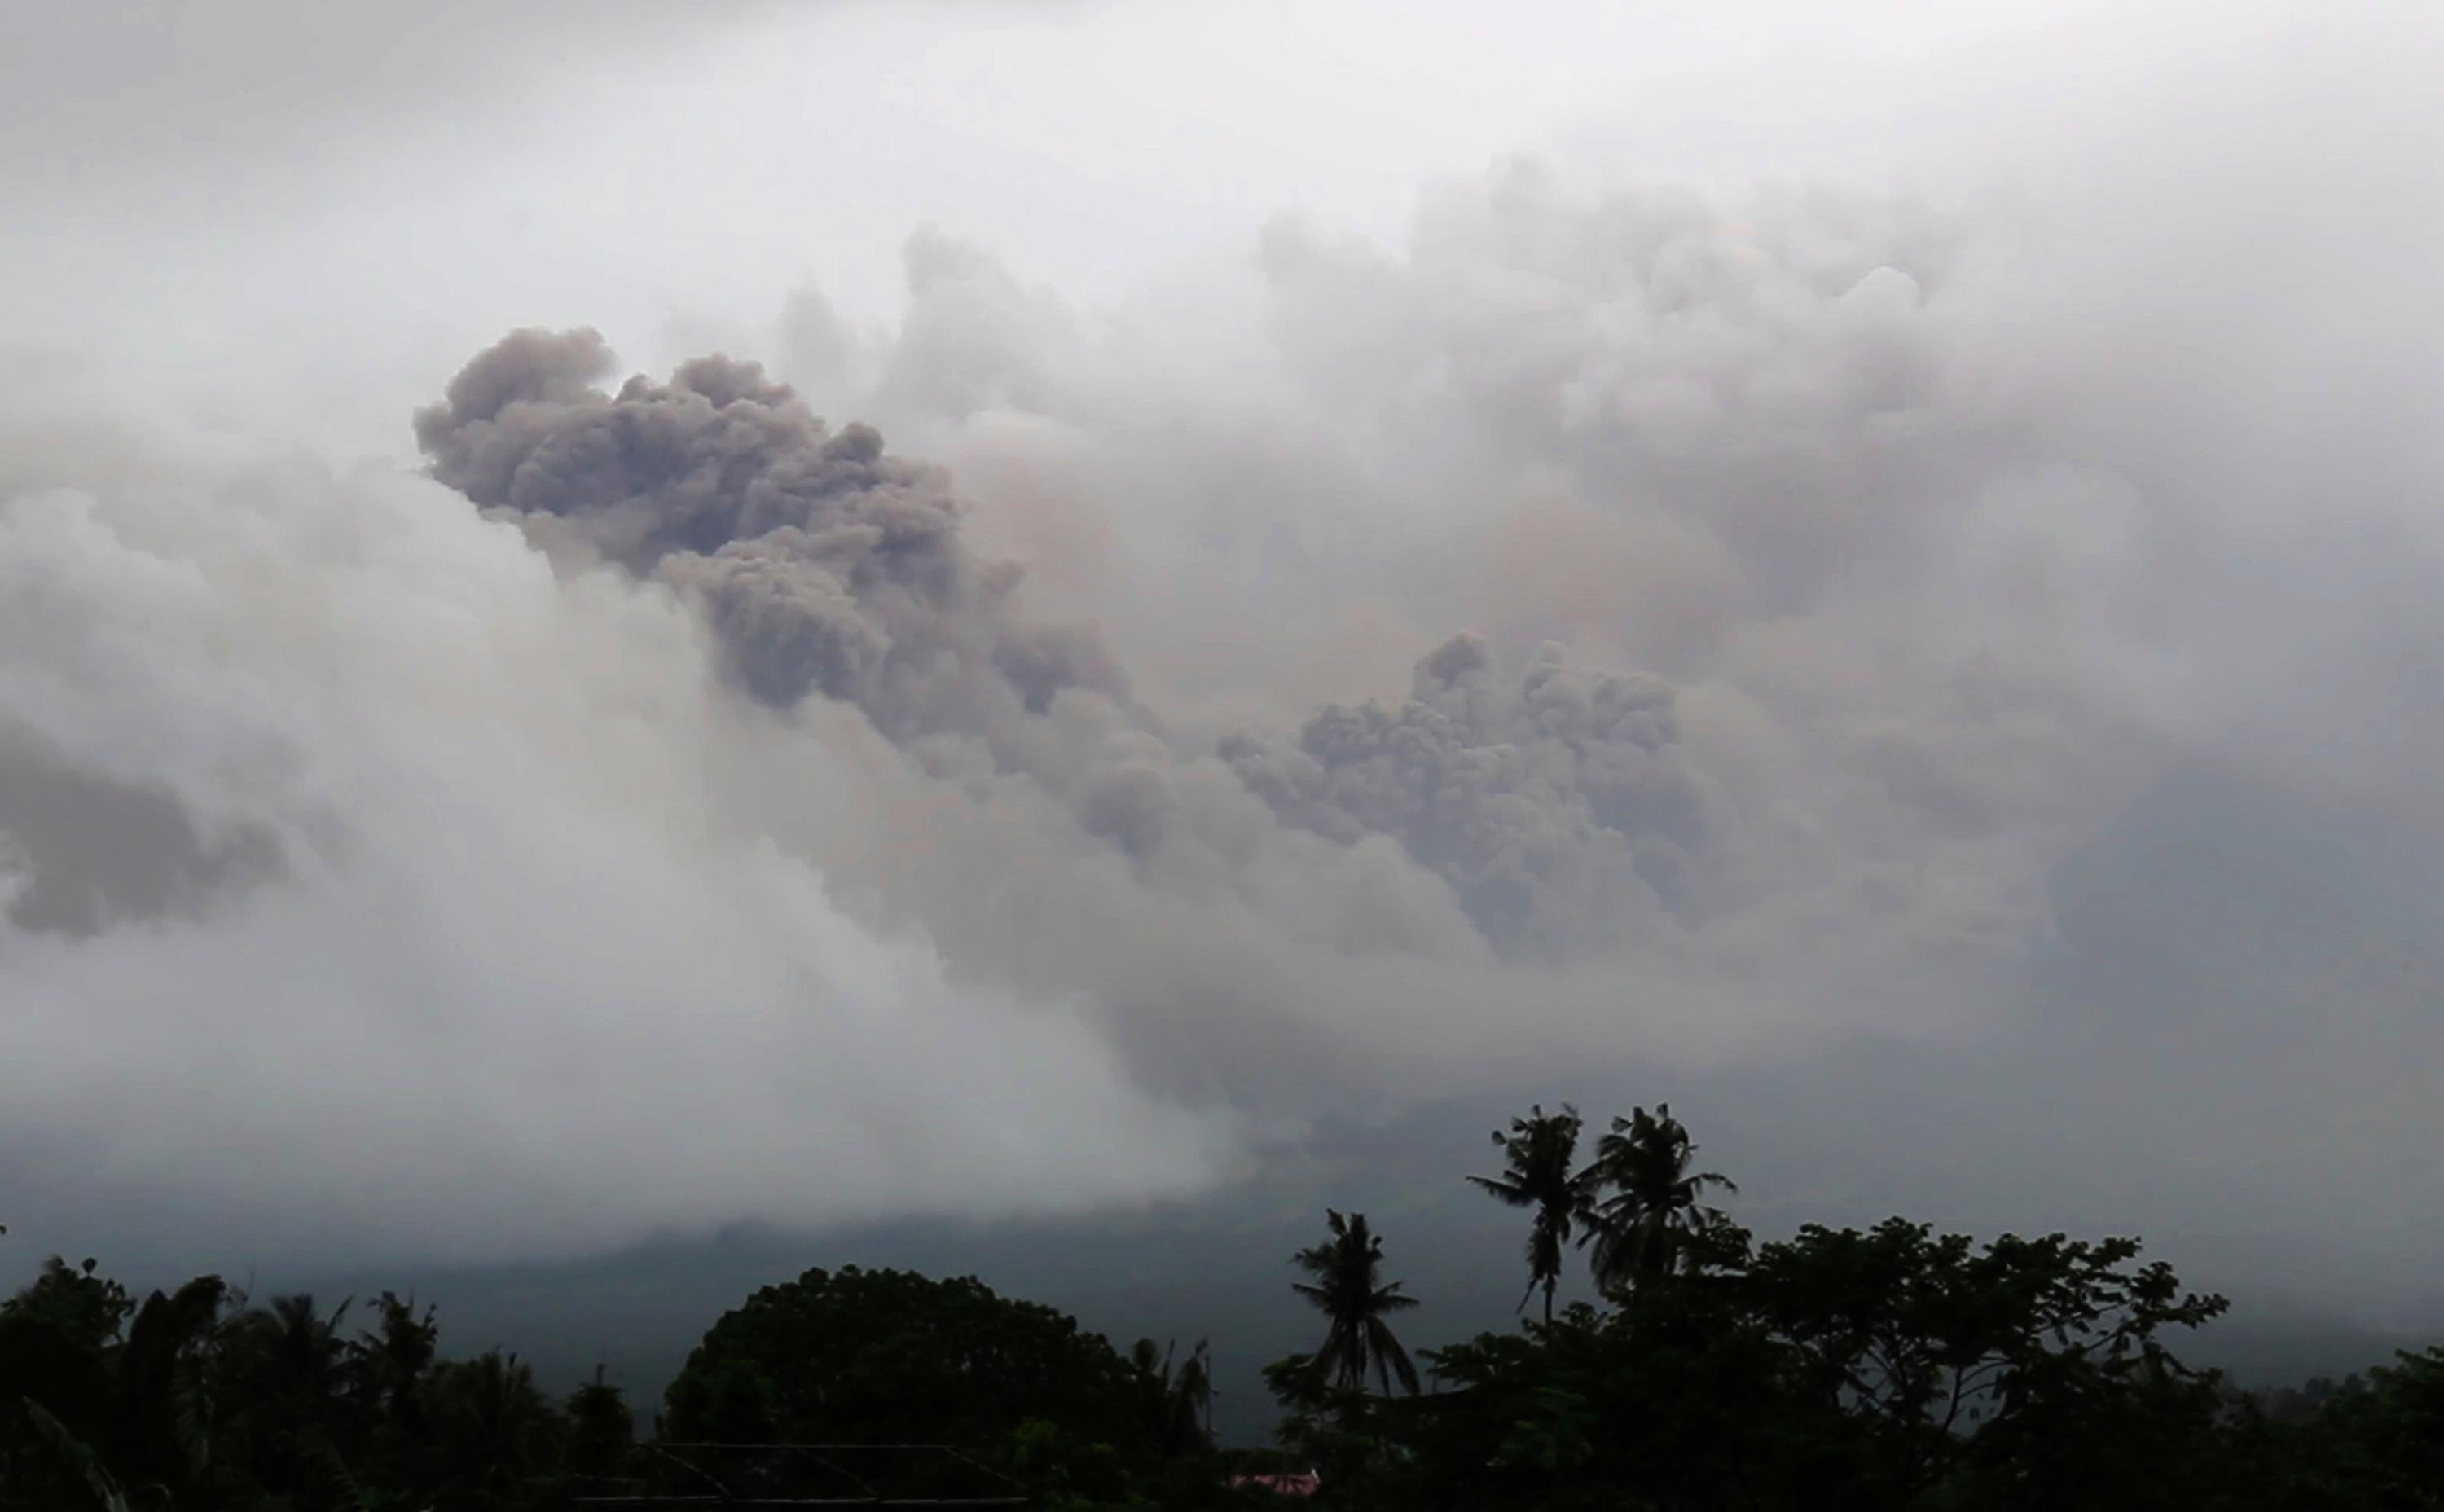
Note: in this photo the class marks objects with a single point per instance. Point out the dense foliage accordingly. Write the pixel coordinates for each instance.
(1894, 1368)
(193, 1399)
(909, 1387)
(887, 1357)
(1889, 1369)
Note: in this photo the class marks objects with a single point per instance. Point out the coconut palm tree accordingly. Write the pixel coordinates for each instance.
(390, 1359)
(297, 1355)
(289, 1369)
(1192, 1389)
(1183, 1396)
(164, 1415)
(1644, 1229)
(1346, 1291)
(492, 1427)
(1538, 1154)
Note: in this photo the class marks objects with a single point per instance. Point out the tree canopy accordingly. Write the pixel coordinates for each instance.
(1347, 1288)
(884, 1357)
(1540, 1173)
(1895, 1368)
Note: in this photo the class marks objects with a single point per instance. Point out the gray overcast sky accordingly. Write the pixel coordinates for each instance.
(239, 176)
(1978, 465)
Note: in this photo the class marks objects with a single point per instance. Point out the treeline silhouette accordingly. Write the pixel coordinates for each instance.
(1894, 1368)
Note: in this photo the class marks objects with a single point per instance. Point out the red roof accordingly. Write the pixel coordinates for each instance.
(1304, 1483)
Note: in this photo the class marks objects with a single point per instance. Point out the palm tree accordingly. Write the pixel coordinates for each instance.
(298, 1355)
(290, 1374)
(1537, 1156)
(1183, 1396)
(164, 1414)
(1346, 1291)
(1191, 1387)
(1643, 1228)
(492, 1425)
(391, 1357)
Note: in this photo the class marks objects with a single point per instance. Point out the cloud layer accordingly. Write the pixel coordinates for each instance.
(1027, 755)
(407, 907)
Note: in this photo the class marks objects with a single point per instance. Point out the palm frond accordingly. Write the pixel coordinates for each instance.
(88, 1465)
(1389, 1354)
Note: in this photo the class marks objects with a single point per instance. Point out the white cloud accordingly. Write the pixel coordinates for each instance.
(521, 976)
(1957, 516)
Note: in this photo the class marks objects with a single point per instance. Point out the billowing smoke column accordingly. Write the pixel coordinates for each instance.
(1555, 804)
(826, 564)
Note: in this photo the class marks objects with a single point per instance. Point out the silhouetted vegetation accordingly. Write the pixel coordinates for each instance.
(1541, 1173)
(1348, 1289)
(1895, 1368)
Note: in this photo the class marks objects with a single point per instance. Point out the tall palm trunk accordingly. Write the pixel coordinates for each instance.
(1539, 1151)
(1347, 1292)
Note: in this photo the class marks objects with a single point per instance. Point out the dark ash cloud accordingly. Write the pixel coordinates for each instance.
(826, 564)
(1556, 803)
(690, 813)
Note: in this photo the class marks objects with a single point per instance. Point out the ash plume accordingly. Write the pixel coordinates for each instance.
(826, 564)
(1555, 804)
(340, 835)
(1995, 617)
